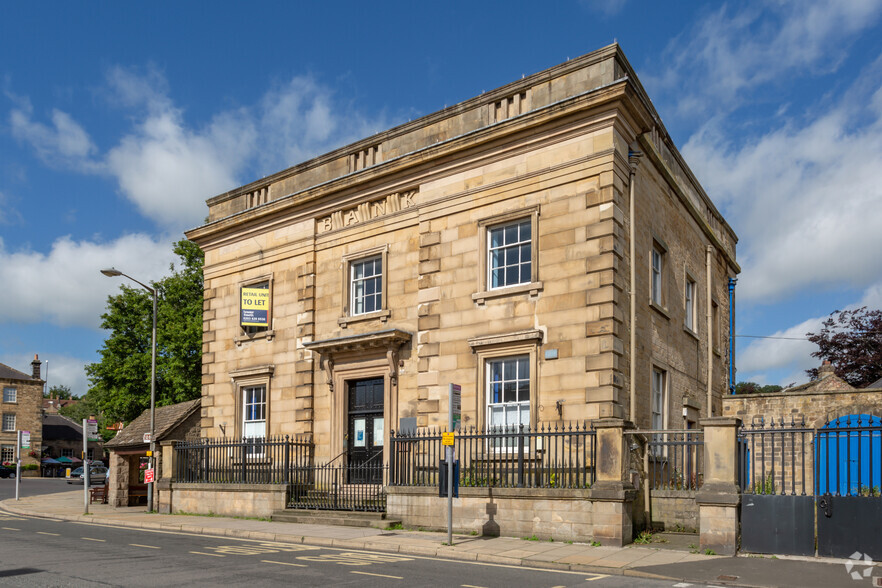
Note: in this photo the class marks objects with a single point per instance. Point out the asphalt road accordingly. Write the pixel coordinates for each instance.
(46, 552)
(34, 487)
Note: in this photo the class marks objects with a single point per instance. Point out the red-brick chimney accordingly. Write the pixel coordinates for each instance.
(36, 367)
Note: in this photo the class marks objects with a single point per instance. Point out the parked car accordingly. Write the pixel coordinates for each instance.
(97, 476)
(7, 472)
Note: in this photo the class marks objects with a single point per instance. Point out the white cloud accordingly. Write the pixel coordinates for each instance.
(732, 51)
(64, 142)
(764, 355)
(61, 370)
(805, 201)
(65, 286)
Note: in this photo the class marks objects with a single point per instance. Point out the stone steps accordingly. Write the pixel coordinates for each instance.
(337, 518)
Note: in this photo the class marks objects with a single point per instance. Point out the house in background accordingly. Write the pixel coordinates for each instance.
(21, 410)
(63, 440)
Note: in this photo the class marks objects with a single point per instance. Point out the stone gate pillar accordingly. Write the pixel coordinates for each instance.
(719, 498)
(612, 493)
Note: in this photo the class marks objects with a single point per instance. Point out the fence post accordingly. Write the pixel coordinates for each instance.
(167, 469)
(393, 457)
(287, 476)
(521, 457)
(612, 492)
(719, 497)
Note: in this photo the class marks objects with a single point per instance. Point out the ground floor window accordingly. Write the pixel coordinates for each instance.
(658, 398)
(508, 391)
(7, 453)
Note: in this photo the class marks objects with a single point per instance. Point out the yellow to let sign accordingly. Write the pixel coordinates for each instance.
(253, 307)
(447, 439)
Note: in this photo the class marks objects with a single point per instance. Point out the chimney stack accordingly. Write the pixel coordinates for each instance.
(35, 365)
(825, 370)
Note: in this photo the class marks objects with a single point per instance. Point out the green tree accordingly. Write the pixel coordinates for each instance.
(754, 388)
(59, 391)
(120, 381)
(851, 340)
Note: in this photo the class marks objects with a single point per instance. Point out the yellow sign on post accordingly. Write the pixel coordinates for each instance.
(447, 439)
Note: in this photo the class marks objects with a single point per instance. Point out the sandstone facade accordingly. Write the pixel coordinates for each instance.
(21, 410)
(558, 151)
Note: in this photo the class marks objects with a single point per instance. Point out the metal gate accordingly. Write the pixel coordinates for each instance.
(801, 484)
(775, 476)
(849, 468)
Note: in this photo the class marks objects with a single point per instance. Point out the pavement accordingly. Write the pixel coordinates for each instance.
(671, 556)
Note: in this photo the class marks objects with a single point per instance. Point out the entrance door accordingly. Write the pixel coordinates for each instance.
(366, 429)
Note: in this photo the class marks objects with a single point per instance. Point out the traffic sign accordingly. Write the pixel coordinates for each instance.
(148, 437)
(25, 439)
(447, 438)
(92, 430)
(148, 476)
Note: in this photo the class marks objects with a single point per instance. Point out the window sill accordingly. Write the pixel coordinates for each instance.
(691, 333)
(243, 338)
(659, 309)
(533, 289)
(383, 315)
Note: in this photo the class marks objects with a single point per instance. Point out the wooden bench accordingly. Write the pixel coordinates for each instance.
(98, 494)
(137, 492)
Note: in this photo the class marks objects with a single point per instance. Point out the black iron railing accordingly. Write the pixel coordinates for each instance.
(776, 457)
(675, 459)
(552, 455)
(339, 487)
(254, 460)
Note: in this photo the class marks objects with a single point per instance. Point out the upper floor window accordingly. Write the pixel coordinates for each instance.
(365, 281)
(255, 307)
(8, 421)
(366, 285)
(510, 254)
(689, 304)
(66, 452)
(657, 266)
(9, 394)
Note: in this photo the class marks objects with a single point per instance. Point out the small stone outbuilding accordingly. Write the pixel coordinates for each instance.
(128, 451)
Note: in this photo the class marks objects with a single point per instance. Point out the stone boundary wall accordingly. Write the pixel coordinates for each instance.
(674, 509)
(231, 500)
(512, 512)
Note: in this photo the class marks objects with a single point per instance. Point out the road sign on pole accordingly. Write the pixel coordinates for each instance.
(92, 430)
(148, 476)
(18, 463)
(454, 409)
(25, 442)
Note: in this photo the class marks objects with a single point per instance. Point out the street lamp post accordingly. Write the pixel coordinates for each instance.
(113, 273)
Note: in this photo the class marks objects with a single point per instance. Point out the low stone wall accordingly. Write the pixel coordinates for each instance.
(232, 500)
(564, 515)
(675, 510)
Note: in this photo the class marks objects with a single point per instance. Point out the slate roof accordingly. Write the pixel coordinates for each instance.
(57, 427)
(876, 384)
(167, 418)
(8, 373)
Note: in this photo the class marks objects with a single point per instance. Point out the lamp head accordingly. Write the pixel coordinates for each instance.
(112, 272)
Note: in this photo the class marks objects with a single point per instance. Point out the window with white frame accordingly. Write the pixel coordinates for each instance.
(508, 392)
(254, 411)
(8, 421)
(689, 304)
(657, 268)
(67, 452)
(9, 394)
(366, 285)
(509, 254)
(7, 454)
(659, 393)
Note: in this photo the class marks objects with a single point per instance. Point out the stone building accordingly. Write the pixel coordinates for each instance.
(63, 437)
(544, 245)
(21, 410)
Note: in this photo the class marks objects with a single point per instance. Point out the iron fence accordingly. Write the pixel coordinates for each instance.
(353, 487)
(776, 457)
(553, 455)
(249, 460)
(674, 459)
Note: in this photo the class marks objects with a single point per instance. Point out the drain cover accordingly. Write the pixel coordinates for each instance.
(727, 578)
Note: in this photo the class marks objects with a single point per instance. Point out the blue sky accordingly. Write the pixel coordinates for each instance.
(118, 120)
